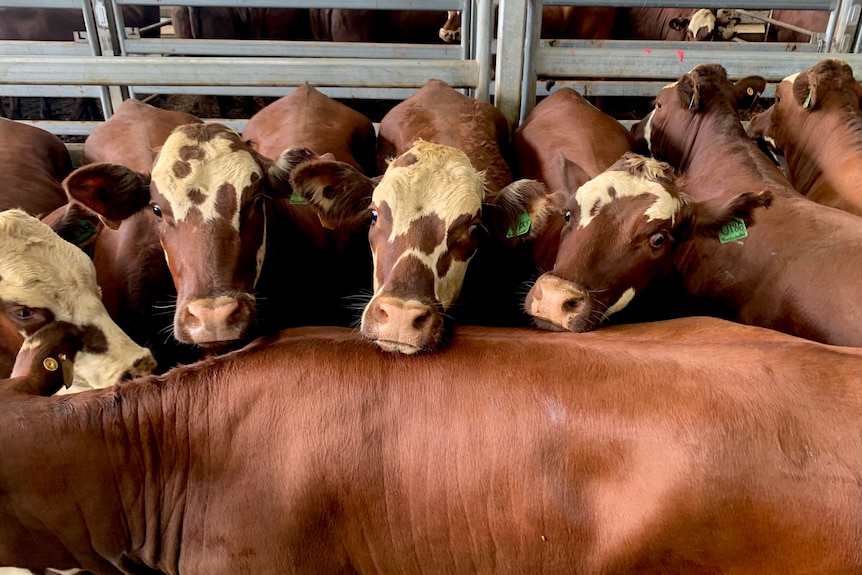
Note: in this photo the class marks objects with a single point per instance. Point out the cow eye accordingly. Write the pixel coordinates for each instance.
(657, 239)
(657, 105)
(373, 216)
(157, 210)
(568, 216)
(20, 312)
(475, 230)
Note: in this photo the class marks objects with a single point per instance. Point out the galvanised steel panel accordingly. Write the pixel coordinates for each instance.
(356, 4)
(285, 48)
(185, 71)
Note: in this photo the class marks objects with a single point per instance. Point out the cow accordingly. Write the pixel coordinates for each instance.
(672, 24)
(813, 20)
(816, 124)
(558, 22)
(221, 215)
(307, 118)
(564, 142)
(632, 246)
(796, 245)
(414, 26)
(447, 184)
(689, 446)
(44, 280)
(35, 162)
(226, 23)
(60, 25)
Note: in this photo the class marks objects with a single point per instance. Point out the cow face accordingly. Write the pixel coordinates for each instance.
(828, 85)
(703, 95)
(206, 199)
(428, 213)
(620, 235)
(44, 279)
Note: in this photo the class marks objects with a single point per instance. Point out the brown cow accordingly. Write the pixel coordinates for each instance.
(310, 119)
(564, 142)
(800, 268)
(560, 22)
(44, 279)
(210, 22)
(222, 215)
(816, 123)
(630, 236)
(672, 24)
(34, 163)
(448, 181)
(690, 446)
(351, 25)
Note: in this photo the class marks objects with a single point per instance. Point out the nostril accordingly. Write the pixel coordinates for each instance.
(421, 320)
(572, 304)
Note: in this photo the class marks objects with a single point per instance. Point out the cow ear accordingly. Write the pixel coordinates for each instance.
(522, 210)
(689, 94)
(113, 191)
(678, 23)
(572, 174)
(805, 90)
(75, 223)
(713, 220)
(338, 192)
(748, 91)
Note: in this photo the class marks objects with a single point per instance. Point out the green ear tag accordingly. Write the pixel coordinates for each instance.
(522, 226)
(807, 101)
(83, 231)
(294, 199)
(733, 231)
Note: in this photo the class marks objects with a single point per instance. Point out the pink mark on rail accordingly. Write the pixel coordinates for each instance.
(681, 54)
(648, 50)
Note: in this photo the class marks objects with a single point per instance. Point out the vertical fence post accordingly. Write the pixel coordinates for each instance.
(511, 53)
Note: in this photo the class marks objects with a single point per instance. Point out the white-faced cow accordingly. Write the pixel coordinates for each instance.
(816, 124)
(672, 24)
(564, 142)
(446, 182)
(45, 279)
(799, 269)
(690, 446)
(634, 243)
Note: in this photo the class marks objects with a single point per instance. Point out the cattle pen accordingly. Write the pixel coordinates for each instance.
(507, 64)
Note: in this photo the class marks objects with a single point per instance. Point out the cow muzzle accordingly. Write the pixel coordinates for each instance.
(210, 321)
(403, 326)
(559, 305)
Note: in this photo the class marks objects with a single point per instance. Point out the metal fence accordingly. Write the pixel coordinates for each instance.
(113, 62)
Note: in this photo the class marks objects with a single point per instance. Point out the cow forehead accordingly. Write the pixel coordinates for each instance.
(192, 173)
(609, 186)
(40, 269)
(440, 181)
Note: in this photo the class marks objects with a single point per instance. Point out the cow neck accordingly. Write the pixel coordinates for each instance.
(114, 457)
(818, 169)
(723, 161)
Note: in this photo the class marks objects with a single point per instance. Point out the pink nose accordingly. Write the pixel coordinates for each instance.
(556, 300)
(210, 320)
(407, 323)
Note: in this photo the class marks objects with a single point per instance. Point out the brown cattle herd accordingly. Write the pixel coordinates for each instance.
(429, 344)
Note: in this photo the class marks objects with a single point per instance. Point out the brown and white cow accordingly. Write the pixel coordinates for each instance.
(689, 446)
(307, 118)
(800, 268)
(34, 163)
(564, 142)
(816, 124)
(45, 279)
(446, 183)
(672, 24)
(632, 242)
(234, 244)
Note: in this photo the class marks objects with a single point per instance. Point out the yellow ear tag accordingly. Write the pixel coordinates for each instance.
(750, 91)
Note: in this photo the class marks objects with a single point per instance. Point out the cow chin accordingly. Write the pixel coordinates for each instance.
(396, 347)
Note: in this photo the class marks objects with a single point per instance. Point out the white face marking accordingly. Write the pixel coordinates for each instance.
(216, 164)
(702, 18)
(441, 182)
(593, 196)
(624, 300)
(648, 130)
(791, 78)
(38, 269)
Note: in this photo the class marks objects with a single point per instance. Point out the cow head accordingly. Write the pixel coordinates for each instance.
(45, 279)
(428, 213)
(704, 25)
(206, 197)
(828, 84)
(680, 109)
(621, 231)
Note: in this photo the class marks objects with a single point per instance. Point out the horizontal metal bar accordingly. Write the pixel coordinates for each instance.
(278, 48)
(717, 4)
(72, 4)
(735, 46)
(32, 48)
(279, 91)
(185, 71)
(30, 91)
(356, 4)
(671, 64)
(627, 88)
